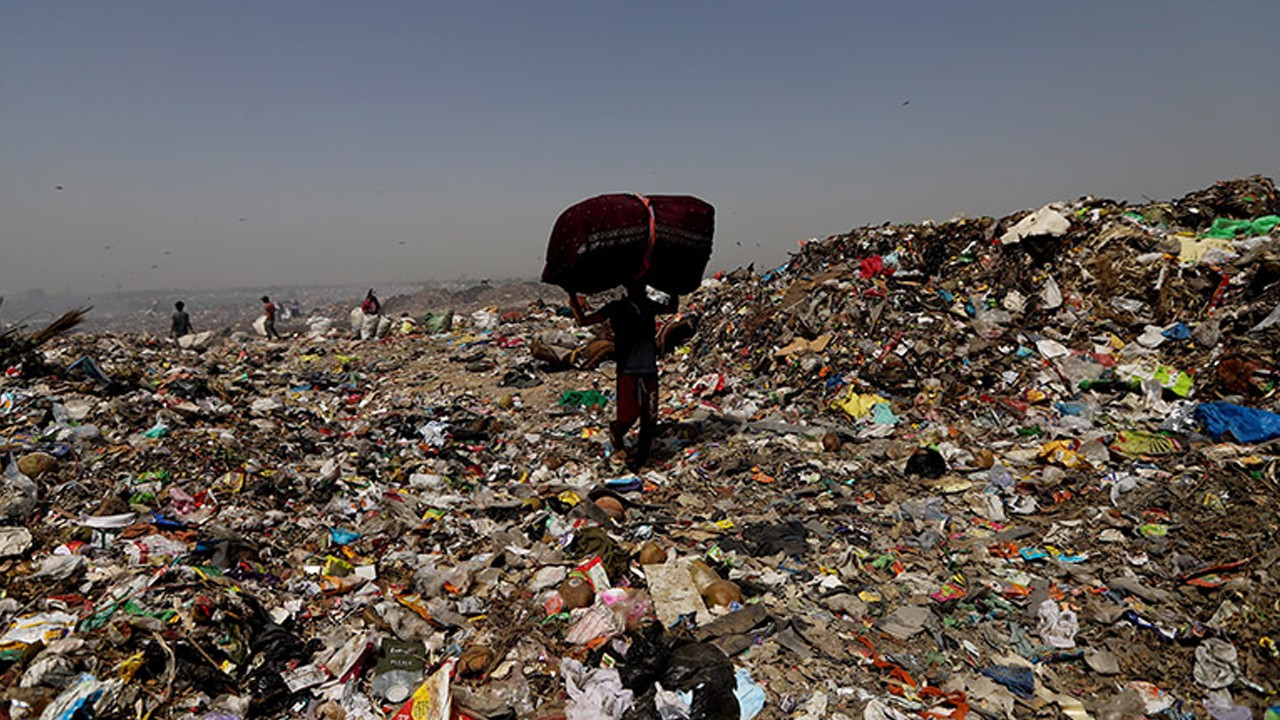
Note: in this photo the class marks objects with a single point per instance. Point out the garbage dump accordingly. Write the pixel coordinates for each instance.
(990, 467)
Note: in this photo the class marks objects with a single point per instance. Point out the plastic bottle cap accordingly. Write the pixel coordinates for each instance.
(398, 693)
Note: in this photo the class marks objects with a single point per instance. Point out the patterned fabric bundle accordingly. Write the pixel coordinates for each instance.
(662, 240)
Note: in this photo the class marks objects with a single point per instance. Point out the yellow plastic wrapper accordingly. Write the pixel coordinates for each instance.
(858, 405)
(1064, 453)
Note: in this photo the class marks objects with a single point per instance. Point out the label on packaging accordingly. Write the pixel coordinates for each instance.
(303, 677)
(595, 573)
(553, 603)
(431, 701)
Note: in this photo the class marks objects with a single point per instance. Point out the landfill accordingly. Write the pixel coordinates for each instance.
(988, 468)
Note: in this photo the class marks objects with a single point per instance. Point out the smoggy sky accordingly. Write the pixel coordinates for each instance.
(249, 143)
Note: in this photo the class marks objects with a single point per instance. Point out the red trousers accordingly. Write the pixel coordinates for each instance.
(637, 400)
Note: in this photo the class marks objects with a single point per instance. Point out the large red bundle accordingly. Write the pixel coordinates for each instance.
(612, 239)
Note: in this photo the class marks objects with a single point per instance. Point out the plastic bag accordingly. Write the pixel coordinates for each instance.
(484, 320)
(81, 698)
(594, 694)
(368, 326)
(439, 322)
(1244, 424)
(1057, 628)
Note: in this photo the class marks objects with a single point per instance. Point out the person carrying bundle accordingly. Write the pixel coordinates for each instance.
(637, 242)
(269, 318)
(633, 319)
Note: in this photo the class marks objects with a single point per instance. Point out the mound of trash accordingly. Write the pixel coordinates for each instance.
(1004, 468)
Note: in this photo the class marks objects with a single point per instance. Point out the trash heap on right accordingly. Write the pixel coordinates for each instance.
(1047, 445)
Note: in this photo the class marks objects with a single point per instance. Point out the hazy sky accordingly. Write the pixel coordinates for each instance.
(290, 142)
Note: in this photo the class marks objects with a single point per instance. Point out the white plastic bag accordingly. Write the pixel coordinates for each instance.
(595, 694)
(196, 341)
(318, 327)
(484, 320)
(357, 318)
(368, 326)
(1058, 628)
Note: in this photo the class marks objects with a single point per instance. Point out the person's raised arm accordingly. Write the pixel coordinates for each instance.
(580, 314)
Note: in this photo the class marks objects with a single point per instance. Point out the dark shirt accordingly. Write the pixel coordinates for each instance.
(270, 310)
(634, 326)
(181, 324)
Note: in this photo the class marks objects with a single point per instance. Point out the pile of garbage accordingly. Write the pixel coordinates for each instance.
(18, 346)
(999, 468)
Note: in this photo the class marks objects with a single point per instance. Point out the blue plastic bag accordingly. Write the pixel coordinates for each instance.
(1244, 424)
(340, 536)
(1019, 680)
(751, 696)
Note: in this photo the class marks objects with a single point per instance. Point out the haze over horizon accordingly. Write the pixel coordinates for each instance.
(241, 144)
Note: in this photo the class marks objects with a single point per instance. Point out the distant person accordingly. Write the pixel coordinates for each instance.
(181, 324)
(370, 316)
(269, 317)
(634, 322)
(371, 306)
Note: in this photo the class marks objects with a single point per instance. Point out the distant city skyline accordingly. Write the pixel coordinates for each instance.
(148, 144)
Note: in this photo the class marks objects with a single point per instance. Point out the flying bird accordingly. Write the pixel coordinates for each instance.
(57, 187)
(906, 103)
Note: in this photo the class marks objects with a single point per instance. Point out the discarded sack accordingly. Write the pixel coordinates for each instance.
(439, 322)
